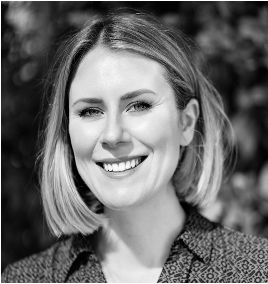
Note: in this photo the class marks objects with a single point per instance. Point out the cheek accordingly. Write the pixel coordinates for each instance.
(159, 131)
(83, 139)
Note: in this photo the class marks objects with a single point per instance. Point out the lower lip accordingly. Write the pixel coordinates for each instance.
(120, 175)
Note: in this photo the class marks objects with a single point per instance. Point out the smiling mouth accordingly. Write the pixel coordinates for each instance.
(122, 166)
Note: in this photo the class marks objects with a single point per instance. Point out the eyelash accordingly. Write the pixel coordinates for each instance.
(85, 112)
(145, 107)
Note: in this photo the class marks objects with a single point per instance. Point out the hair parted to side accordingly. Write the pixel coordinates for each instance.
(68, 205)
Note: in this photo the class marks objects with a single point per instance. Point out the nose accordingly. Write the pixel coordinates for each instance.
(114, 133)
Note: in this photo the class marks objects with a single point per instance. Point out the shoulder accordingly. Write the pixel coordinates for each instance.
(246, 255)
(224, 254)
(38, 267)
(243, 244)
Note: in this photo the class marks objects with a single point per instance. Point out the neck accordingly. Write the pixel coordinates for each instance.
(143, 236)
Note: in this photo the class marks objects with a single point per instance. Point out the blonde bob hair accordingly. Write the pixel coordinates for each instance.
(69, 205)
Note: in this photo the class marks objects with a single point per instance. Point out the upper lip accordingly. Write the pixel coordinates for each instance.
(119, 160)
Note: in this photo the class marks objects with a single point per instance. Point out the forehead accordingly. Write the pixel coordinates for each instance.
(103, 70)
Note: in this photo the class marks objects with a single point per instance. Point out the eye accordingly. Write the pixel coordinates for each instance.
(90, 112)
(140, 106)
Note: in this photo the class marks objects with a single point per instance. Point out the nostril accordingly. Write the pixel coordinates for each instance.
(114, 134)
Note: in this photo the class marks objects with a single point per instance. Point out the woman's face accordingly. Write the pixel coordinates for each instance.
(124, 127)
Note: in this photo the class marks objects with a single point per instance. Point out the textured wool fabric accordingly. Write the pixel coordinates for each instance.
(203, 252)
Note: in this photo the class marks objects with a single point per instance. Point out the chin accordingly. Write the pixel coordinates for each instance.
(127, 201)
(123, 204)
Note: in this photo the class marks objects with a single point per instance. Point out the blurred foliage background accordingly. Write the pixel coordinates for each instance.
(233, 37)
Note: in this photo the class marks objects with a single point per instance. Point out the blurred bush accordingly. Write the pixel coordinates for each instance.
(234, 40)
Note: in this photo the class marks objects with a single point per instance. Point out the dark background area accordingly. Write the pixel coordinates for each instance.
(233, 37)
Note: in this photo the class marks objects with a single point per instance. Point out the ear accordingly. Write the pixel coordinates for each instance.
(189, 117)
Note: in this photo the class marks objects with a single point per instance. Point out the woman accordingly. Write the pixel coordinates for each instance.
(135, 139)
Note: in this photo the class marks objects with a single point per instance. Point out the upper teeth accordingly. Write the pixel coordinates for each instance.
(120, 167)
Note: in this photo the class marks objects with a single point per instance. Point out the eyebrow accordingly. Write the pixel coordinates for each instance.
(127, 96)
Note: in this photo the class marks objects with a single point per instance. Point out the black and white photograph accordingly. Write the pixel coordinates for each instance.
(134, 139)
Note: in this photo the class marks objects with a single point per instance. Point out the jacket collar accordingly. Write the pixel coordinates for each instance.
(67, 252)
(197, 234)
